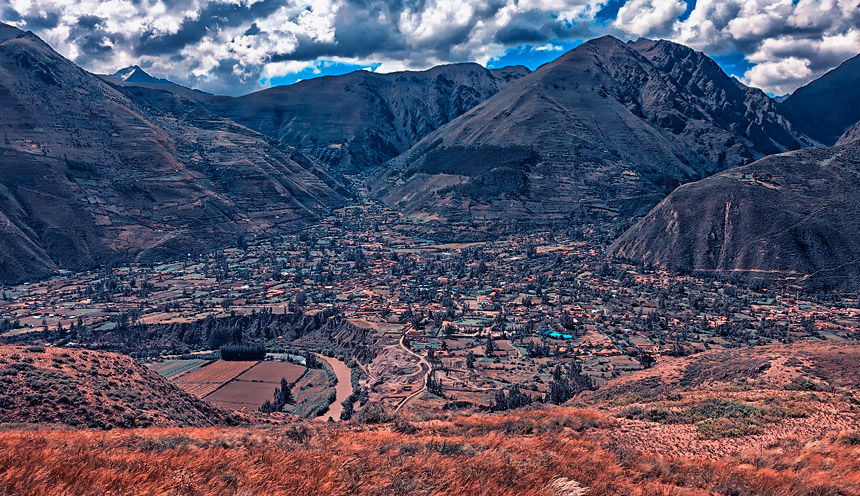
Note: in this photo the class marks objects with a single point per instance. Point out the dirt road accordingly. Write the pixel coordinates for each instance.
(426, 365)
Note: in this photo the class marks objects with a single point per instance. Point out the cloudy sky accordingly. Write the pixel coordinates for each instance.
(238, 46)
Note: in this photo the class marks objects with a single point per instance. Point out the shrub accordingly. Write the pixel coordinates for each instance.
(631, 412)
(728, 427)
(850, 438)
(298, 433)
(403, 426)
(803, 384)
(374, 414)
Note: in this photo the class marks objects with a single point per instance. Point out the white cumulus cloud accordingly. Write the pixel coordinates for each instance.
(649, 17)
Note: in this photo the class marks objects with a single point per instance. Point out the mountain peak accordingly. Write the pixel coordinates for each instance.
(603, 45)
(134, 74)
(605, 40)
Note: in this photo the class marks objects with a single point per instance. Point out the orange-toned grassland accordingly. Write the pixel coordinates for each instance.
(558, 451)
(779, 420)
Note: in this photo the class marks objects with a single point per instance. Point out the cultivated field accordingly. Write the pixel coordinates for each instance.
(172, 368)
(207, 378)
(254, 386)
(240, 395)
(272, 372)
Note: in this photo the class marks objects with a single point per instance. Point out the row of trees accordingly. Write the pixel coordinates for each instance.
(236, 352)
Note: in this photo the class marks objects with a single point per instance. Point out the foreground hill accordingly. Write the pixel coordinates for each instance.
(802, 363)
(90, 174)
(724, 402)
(93, 389)
(826, 107)
(362, 119)
(609, 126)
(768, 425)
(791, 215)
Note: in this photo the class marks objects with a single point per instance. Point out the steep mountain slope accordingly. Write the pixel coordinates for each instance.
(362, 119)
(826, 107)
(94, 389)
(608, 126)
(790, 215)
(89, 174)
(852, 134)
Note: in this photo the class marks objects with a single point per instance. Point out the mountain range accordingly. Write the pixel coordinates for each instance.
(130, 166)
(90, 174)
(608, 127)
(824, 109)
(789, 216)
(362, 119)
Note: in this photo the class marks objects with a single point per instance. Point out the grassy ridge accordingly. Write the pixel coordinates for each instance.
(532, 452)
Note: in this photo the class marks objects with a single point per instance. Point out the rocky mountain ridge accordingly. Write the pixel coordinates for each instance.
(609, 127)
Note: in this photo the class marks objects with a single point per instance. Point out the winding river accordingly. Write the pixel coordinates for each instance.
(343, 388)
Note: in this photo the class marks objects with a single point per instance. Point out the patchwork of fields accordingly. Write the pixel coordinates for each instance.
(246, 385)
(208, 377)
(254, 386)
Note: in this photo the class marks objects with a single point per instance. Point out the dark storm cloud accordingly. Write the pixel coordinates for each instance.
(10, 14)
(91, 38)
(353, 39)
(535, 27)
(564, 30)
(221, 80)
(516, 35)
(352, 36)
(212, 18)
(89, 21)
(35, 23)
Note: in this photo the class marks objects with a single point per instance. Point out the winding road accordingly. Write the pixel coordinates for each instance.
(424, 363)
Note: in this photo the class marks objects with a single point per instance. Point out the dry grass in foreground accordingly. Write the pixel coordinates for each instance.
(558, 451)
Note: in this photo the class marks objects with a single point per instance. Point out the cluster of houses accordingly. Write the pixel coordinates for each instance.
(535, 291)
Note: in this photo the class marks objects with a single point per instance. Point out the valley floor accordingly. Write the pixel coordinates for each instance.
(545, 298)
